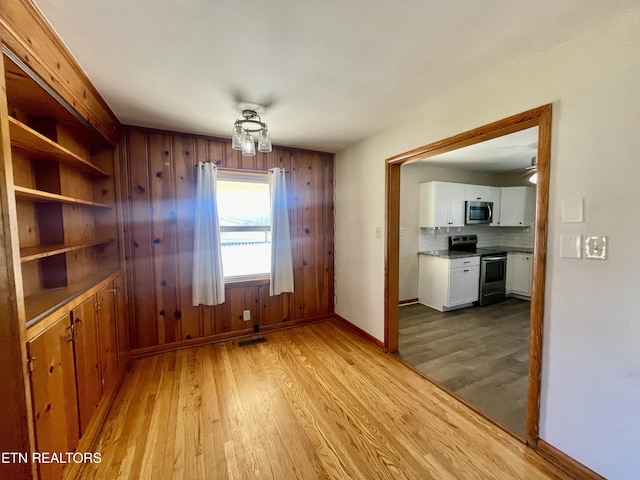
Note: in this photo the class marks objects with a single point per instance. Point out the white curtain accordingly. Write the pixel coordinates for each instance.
(281, 262)
(208, 280)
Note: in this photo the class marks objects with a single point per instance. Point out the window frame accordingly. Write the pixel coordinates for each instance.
(248, 176)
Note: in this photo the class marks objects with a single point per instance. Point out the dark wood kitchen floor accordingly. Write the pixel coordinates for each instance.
(480, 354)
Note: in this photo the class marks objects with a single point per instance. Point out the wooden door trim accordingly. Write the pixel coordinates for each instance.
(540, 117)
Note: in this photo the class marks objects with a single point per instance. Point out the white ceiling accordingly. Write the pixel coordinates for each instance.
(331, 72)
(509, 153)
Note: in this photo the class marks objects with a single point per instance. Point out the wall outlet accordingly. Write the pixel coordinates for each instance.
(246, 315)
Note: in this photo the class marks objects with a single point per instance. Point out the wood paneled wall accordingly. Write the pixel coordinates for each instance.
(159, 181)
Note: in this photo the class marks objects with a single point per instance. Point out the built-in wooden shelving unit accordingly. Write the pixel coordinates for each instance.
(65, 191)
(39, 147)
(29, 254)
(30, 194)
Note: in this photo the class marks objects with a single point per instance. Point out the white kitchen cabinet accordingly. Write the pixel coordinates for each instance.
(517, 205)
(519, 274)
(495, 194)
(480, 193)
(447, 284)
(442, 204)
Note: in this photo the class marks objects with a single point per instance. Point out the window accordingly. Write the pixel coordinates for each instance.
(245, 224)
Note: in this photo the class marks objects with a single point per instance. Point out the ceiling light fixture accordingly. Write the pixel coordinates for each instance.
(534, 166)
(242, 130)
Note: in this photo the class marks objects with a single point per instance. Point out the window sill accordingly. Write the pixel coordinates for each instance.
(247, 280)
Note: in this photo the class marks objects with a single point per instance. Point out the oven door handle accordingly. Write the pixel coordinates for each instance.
(493, 259)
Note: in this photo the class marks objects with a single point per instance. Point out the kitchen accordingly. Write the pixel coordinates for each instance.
(466, 244)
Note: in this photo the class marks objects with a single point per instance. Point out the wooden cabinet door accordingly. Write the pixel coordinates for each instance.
(53, 390)
(463, 285)
(442, 200)
(480, 193)
(87, 360)
(122, 321)
(494, 197)
(456, 204)
(511, 271)
(522, 274)
(107, 332)
(471, 284)
(456, 287)
(512, 207)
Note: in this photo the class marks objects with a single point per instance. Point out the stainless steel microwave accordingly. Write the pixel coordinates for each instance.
(478, 212)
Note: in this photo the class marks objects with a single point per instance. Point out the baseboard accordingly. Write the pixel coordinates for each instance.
(565, 462)
(408, 301)
(358, 331)
(222, 337)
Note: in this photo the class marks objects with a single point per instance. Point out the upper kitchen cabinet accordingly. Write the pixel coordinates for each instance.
(517, 206)
(495, 194)
(442, 204)
(479, 193)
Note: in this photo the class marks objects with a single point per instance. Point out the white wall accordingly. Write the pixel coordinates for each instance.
(591, 361)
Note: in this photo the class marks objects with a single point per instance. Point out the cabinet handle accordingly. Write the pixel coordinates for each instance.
(70, 333)
(76, 330)
(466, 270)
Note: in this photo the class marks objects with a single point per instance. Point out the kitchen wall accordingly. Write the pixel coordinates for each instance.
(591, 362)
(414, 239)
(438, 238)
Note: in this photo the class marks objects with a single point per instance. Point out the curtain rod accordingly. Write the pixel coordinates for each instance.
(242, 170)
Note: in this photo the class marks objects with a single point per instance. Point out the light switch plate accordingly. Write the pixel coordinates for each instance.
(595, 248)
(570, 246)
(573, 210)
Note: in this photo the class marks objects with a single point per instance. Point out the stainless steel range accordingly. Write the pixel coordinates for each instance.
(493, 268)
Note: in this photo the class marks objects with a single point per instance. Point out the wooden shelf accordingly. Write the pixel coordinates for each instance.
(30, 194)
(28, 254)
(39, 147)
(44, 302)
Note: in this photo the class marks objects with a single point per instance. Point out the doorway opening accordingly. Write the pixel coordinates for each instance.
(540, 118)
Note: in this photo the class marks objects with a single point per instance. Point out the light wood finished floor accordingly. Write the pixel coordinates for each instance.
(480, 354)
(312, 402)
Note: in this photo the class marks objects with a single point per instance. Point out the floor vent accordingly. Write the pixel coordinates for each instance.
(252, 341)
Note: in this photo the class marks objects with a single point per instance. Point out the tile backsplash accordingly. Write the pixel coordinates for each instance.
(438, 238)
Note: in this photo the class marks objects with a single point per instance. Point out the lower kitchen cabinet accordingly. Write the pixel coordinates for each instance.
(88, 374)
(106, 317)
(519, 274)
(447, 284)
(74, 362)
(53, 383)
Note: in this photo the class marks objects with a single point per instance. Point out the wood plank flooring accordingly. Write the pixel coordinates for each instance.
(480, 354)
(312, 402)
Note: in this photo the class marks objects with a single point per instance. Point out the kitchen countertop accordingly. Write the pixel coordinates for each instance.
(448, 253)
(458, 254)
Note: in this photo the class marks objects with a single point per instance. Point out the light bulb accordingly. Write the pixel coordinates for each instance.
(264, 140)
(248, 147)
